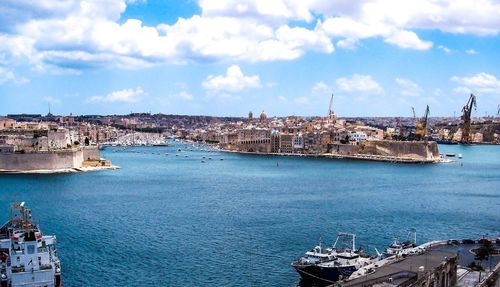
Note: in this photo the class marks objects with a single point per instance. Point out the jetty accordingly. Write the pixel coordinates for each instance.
(443, 263)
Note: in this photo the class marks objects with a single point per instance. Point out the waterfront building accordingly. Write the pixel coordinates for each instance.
(6, 123)
(298, 142)
(286, 143)
(357, 137)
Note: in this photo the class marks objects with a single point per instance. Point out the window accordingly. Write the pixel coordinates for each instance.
(31, 249)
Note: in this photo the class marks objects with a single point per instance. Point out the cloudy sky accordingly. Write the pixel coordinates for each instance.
(227, 57)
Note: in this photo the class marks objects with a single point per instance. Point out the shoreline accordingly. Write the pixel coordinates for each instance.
(363, 157)
(56, 171)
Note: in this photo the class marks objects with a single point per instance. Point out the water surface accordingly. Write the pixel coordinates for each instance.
(166, 220)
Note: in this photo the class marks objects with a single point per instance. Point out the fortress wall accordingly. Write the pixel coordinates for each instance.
(41, 161)
(401, 148)
(91, 153)
(344, 149)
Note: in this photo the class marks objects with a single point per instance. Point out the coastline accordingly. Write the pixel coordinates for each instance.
(56, 171)
(364, 157)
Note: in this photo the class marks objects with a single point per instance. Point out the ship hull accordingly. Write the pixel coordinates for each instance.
(324, 274)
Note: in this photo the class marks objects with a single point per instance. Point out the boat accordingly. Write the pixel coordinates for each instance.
(337, 264)
(407, 247)
(459, 155)
(450, 155)
(27, 256)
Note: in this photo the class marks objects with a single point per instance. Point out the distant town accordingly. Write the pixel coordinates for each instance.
(395, 139)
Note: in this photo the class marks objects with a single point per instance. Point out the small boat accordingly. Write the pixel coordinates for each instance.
(459, 155)
(407, 247)
(450, 155)
(202, 161)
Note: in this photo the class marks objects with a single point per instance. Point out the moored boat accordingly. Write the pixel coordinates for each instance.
(27, 256)
(340, 263)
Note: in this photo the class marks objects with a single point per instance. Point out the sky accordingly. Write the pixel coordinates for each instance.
(229, 57)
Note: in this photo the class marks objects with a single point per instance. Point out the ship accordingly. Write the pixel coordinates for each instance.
(28, 258)
(407, 247)
(339, 265)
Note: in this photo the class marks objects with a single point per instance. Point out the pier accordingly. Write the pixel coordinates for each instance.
(440, 264)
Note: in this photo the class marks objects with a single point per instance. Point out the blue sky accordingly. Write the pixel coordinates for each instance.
(227, 57)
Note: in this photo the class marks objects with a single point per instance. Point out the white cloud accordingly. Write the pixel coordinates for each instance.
(126, 96)
(75, 35)
(185, 96)
(462, 90)
(408, 40)
(321, 88)
(445, 49)
(483, 83)
(359, 83)
(471, 52)
(408, 88)
(233, 81)
(8, 76)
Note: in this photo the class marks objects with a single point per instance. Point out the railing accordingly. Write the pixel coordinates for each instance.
(492, 277)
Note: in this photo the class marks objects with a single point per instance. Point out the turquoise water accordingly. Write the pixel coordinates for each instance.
(164, 220)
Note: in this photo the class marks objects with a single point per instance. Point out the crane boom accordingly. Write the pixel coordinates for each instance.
(330, 106)
(421, 125)
(426, 117)
(466, 118)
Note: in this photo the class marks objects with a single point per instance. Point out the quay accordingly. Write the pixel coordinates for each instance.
(365, 157)
(440, 264)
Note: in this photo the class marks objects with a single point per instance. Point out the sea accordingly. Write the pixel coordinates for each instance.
(198, 217)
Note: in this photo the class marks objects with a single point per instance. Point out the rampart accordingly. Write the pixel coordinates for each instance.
(47, 160)
(417, 150)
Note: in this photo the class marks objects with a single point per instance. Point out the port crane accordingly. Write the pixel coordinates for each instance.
(331, 115)
(466, 113)
(330, 111)
(421, 125)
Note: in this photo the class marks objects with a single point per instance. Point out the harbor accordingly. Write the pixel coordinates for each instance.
(244, 218)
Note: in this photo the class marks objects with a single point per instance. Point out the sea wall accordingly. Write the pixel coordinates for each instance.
(48, 160)
(91, 153)
(418, 150)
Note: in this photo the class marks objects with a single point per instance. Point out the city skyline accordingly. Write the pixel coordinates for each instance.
(225, 58)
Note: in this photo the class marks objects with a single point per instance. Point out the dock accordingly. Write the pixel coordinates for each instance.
(440, 264)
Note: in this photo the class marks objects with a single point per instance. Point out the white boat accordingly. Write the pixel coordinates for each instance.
(28, 258)
(338, 263)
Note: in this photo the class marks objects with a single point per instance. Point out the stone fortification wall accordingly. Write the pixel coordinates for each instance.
(91, 153)
(51, 160)
(344, 149)
(401, 149)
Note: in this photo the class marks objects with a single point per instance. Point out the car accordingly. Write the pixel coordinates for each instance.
(468, 241)
(453, 242)
(484, 241)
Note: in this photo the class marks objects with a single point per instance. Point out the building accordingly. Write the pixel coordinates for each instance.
(6, 123)
(356, 137)
(263, 117)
